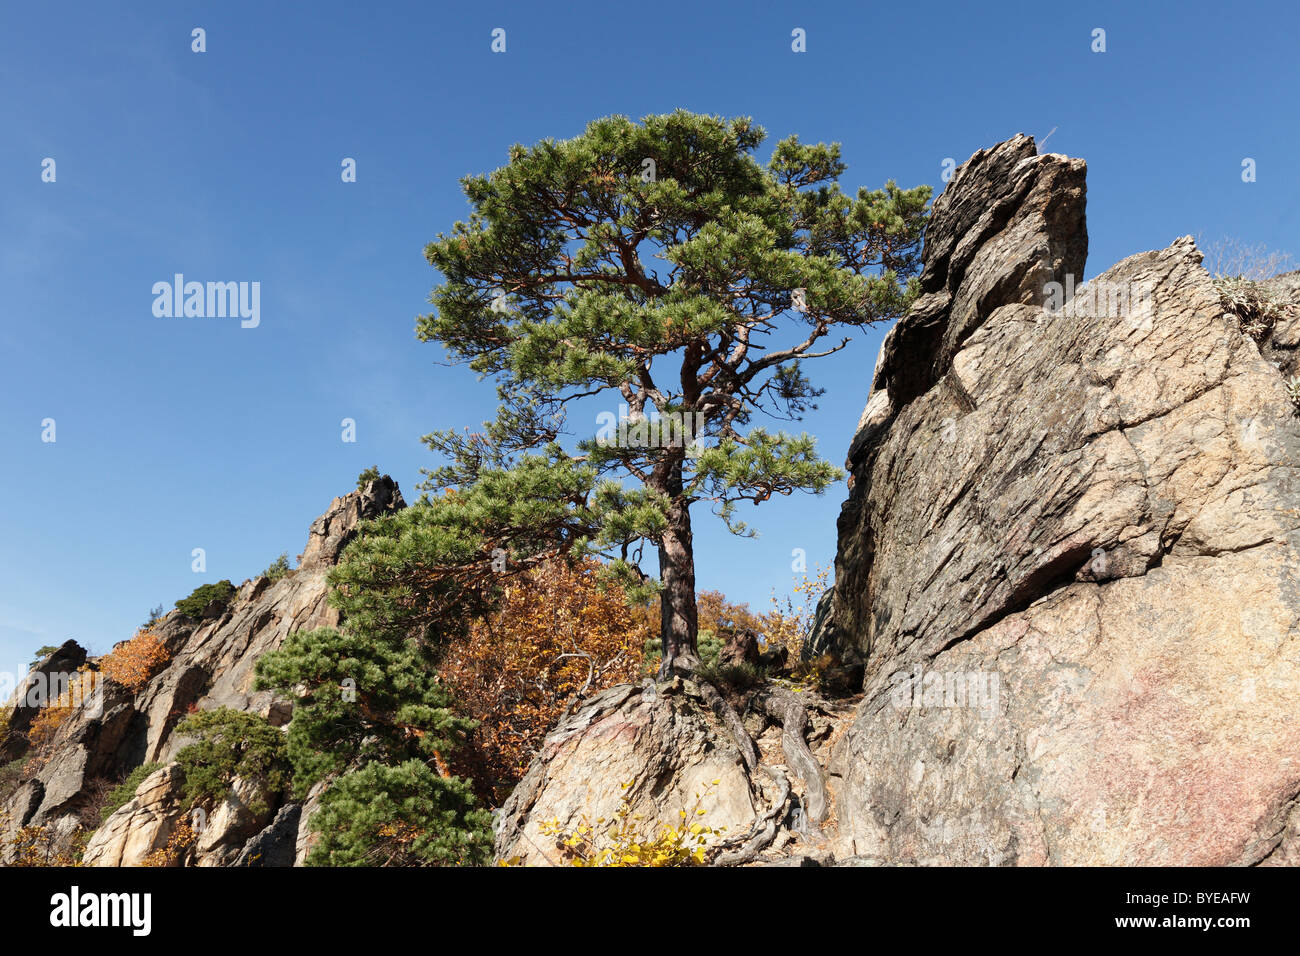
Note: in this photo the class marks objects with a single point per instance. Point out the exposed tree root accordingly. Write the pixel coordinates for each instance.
(782, 705)
(744, 849)
(731, 720)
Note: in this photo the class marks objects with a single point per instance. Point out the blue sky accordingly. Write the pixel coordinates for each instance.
(174, 433)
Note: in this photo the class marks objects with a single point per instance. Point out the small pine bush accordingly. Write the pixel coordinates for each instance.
(203, 595)
(278, 568)
(231, 743)
(367, 476)
(407, 815)
(41, 654)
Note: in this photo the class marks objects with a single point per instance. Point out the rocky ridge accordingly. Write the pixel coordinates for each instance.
(211, 664)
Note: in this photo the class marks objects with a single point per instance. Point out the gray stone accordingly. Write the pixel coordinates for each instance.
(1077, 532)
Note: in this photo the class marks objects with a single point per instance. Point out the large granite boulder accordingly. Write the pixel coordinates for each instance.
(659, 748)
(141, 826)
(1071, 555)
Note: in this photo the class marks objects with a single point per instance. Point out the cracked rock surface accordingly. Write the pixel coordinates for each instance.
(1087, 518)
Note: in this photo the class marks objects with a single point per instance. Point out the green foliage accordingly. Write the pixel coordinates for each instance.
(40, 654)
(230, 744)
(1293, 393)
(119, 795)
(430, 568)
(367, 476)
(362, 700)
(710, 644)
(693, 295)
(400, 815)
(203, 595)
(278, 568)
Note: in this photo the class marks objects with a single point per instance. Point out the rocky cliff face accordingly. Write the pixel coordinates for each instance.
(1068, 563)
(211, 665)
(1069, 557)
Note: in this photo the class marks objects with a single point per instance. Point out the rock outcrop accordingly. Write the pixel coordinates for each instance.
(1071, 555)
(211, 664)
(668, 749)
(656, 749)
(34, 693)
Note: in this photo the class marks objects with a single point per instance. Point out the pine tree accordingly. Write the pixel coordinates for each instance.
(370, 716)
(662, 266)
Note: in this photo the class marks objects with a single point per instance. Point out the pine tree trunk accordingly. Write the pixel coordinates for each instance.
(680, 620)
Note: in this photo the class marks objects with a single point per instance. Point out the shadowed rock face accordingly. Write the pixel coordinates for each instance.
(211, 665)
(1089, 514)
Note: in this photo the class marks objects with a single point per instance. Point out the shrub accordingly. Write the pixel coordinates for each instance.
(1255, 307)
(197, 603)
(626, 840)
(1293, 393)
(556, 636)
(178, 844)
(39, 845)
(358, 700)
(406, 815)
(1231, 258)
(132, 663)
(47, 722)
(367, 476)
(11, 775)
(278, 568)
(736, 676)
(125, 791)
(80, 689)
(231, 743)
(155, 615)
(789, 624)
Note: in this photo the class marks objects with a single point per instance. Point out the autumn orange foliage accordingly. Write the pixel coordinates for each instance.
(555, 638)
(55, 713)
(40, 845)
(47, 722)
(133, 663)
(173, 853)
